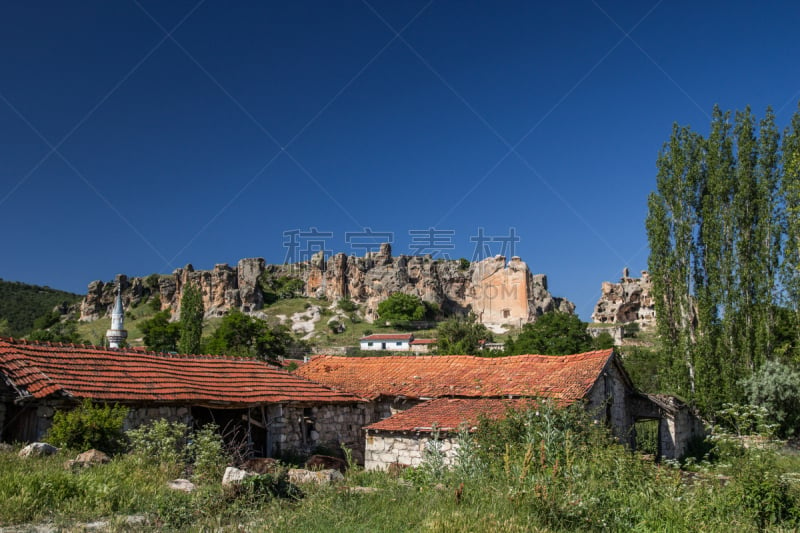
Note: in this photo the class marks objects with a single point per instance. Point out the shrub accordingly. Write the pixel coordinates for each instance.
(207, 451)
(347, 305)
(776, 387)
(272, 485)
(174, 443)
(89, 426)
(160, 442)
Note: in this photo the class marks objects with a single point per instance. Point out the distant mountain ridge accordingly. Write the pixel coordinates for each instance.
(21, 304)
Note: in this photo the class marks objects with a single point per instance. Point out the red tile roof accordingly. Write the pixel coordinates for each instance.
(42, 370)
(423, 341)
(566, 377)
(388, 337)
(448, 414)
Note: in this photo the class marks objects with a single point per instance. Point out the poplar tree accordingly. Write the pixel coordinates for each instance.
(723, 231)
(191, 320)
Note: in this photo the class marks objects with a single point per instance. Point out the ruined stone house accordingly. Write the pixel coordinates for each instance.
(411, 394)
(274, 410)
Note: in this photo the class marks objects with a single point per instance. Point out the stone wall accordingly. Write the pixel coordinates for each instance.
(617, 332)
(677, 431)
(139, 416)
(304, 429)
(609, 403)
(385, 448)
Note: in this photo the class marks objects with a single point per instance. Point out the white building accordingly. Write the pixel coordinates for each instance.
(396, 342)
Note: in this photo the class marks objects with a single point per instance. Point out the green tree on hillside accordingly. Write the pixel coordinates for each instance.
(551, 334)
(161, 335)
(401, 307)
(191, 320)
(461, 336)
(246, 336)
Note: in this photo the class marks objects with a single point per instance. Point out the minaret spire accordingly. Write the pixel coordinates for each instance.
(117, 334)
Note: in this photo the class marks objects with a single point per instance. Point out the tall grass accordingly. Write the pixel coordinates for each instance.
(539, 470)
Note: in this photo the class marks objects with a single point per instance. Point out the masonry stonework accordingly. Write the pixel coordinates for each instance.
(388, 448)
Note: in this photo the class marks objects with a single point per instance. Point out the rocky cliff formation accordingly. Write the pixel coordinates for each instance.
(498, 293)
(630, 300)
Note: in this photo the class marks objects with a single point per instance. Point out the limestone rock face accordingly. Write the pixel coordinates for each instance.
(630, 300)
(497, 292)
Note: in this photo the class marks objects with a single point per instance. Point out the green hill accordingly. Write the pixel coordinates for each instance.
(21, 304)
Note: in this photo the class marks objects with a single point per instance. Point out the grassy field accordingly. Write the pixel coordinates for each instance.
(547, 471)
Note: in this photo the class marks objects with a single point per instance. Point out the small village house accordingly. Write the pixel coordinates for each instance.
(397, 342)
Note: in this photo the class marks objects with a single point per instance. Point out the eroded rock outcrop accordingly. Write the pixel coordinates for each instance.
(630, 300)
(496, 291)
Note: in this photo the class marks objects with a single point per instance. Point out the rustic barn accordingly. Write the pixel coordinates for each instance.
(411, 385)
(275, 410)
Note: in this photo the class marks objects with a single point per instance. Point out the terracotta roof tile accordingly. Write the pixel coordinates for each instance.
(388, 337)
(79, 371)
(448, 414)
(567, 377)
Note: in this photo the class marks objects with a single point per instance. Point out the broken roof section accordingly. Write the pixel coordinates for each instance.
(564, 377)
(448, 414)
(41, 370)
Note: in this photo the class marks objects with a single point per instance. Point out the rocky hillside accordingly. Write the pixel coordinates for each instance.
(496, 291)
(630, 300)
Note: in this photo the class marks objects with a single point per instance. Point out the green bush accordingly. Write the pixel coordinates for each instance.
(175, 444)
(207, 452)
(347, 305)
(776, 387)
(161, 442)
(271, 485)
(89, 426)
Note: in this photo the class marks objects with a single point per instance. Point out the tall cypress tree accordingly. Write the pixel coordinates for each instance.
(191, 320)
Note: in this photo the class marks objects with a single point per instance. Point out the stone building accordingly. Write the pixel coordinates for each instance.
(408, 393)
(274, 410)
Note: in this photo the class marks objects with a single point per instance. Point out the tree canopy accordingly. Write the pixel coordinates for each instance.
(161, 335)
(461, 336)
(401, 307)
(551, 334)
(246, 336)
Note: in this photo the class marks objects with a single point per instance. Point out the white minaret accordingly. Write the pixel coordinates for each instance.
(117, 334)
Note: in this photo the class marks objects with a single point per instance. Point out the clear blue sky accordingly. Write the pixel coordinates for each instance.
(138, 137)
